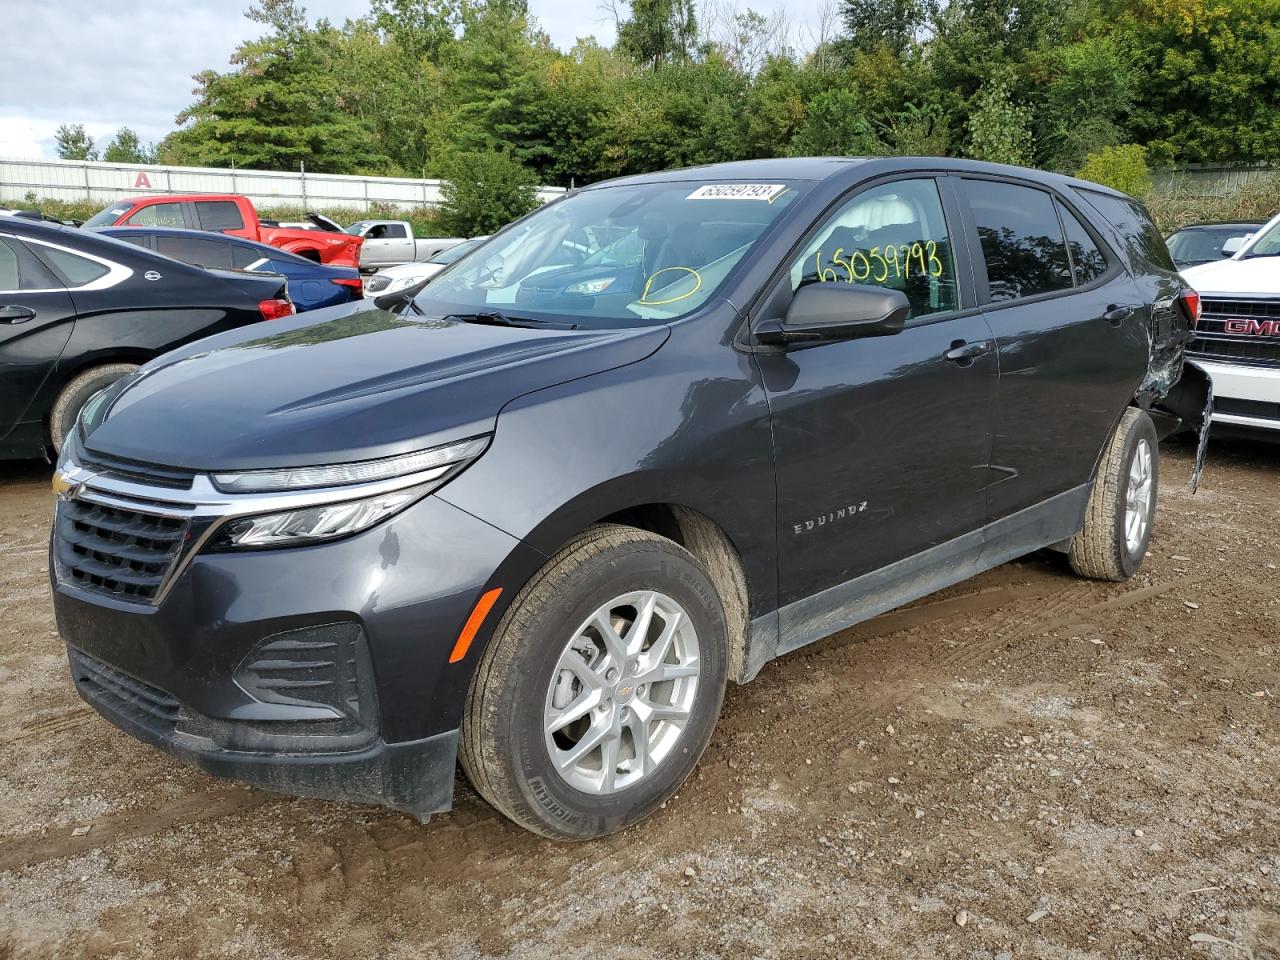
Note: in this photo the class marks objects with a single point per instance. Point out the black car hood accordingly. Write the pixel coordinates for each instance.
(363, 383)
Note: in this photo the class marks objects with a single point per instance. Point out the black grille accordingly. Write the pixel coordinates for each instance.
(121, 553)
(1214, 342)
(170, 478)
(121, 694)
(1240, 308)
(1247, 408)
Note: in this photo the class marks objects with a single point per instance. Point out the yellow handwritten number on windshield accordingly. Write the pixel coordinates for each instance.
(644, 300)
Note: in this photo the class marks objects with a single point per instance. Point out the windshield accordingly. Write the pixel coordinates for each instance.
(623, 256)
(107, 216)
(1199, 244)
(456, 252)
(1268, 244)
(358, 227)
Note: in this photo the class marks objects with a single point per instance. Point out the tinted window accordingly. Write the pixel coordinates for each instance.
(8, 267)
(196, 250)
(1087, 260)
(1021, 238)
(243, 257)
(158, 215)
(219, 215)
(77, 270)
(1131, 220)
(894, 236)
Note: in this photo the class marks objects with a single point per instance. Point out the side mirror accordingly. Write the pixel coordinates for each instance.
(1234, 245)
(837, 311)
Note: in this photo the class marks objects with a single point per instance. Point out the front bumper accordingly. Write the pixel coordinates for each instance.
(1245, 396)
(365, 625)
(416, 776)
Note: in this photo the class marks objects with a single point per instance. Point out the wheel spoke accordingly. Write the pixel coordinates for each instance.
(640, 629)
(558, 719)
(609, 762)
(670, 671)
(639, 728)
(599, 732)
(613, 643)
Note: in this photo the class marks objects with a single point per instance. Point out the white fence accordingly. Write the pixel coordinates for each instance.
(105, 182)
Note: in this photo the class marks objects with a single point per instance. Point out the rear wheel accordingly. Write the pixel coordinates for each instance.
(600, 688)
(62, 418)
(1122, 505)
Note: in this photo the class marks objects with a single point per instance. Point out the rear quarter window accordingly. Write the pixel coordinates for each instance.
(1142, 238)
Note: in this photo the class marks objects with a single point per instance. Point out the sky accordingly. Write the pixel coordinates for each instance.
(129, 62)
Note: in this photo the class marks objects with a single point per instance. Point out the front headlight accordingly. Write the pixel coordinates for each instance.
(591, 287)
(314, 524)
(430, 464)
(327, 502)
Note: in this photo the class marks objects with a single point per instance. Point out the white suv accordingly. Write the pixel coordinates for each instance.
(1238, 337)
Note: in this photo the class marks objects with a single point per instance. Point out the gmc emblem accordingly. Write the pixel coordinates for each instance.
(1254, 328)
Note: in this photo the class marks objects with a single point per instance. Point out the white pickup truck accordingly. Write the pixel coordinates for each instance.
(390, 242)
(1238, 338)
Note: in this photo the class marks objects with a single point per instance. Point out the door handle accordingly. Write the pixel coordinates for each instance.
(1117, 315)
(16, 314)
(964, 353)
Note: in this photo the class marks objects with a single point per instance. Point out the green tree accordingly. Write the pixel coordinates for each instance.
(1208, 76)
(74, 143)
(484, 192)
(1087, 92)
(999, 129)
(125, 147)
(283, 107)
(1123, 168)
(659, 31)
(833, 126)
(893, 24)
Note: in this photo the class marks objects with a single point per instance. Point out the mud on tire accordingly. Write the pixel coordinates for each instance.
(1102, 549)
(504, 746)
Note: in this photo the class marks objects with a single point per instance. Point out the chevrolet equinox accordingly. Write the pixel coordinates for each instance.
(533, 516)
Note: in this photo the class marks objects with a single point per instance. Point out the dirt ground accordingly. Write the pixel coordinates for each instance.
(1028, 765)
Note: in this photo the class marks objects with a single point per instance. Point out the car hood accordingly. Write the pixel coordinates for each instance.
(358, 384)
(1256, 275)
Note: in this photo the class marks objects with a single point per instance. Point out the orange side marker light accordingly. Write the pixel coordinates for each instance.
(472, 626)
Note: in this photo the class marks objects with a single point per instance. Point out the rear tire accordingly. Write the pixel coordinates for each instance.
(62, 418)
(1120, 515)
(652, 716)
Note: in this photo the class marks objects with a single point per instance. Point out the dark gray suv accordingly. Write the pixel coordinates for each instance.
(634, 446)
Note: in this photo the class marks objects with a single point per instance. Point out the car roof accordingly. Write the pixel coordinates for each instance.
(61, 233)
(825, 168)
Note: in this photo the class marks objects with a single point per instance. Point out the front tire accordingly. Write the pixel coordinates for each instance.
(600, 688)
(62, 418)
(1120, 515)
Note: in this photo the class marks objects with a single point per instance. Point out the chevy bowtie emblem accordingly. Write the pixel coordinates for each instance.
(61, 485)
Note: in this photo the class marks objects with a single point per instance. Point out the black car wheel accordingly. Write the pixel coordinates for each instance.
(600, 688)
(1122, 505)
(62, 418)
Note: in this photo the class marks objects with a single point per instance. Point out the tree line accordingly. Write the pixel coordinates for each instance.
(439, 87)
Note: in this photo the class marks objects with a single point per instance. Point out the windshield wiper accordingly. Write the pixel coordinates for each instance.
(496, 318)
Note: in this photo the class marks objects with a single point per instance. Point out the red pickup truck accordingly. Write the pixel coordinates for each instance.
(231, 214)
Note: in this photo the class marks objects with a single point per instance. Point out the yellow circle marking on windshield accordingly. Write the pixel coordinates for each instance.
(648, 284)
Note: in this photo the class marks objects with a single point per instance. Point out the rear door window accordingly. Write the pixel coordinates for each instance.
(197, 251)
(219, 215)
(1132, 221)
(893, 235)
(158, 215)
(1022, 241)
(1087, 259)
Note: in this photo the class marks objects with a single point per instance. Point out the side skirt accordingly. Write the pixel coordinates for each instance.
(846, 604)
